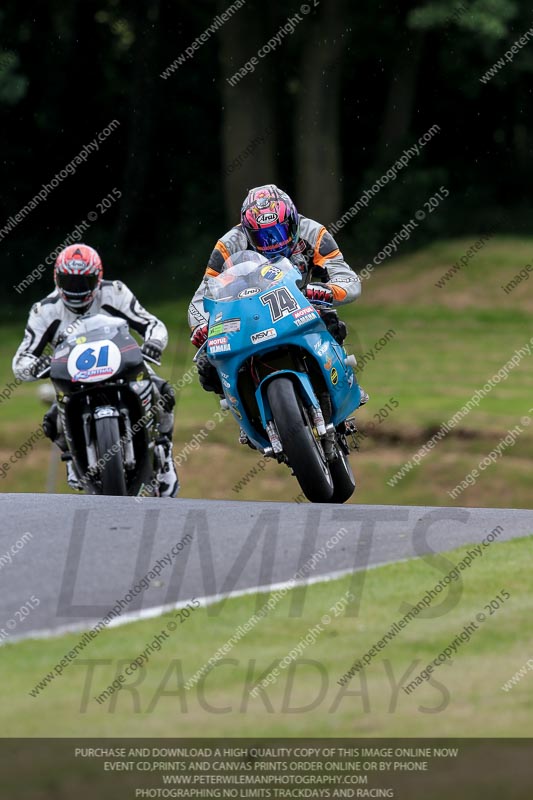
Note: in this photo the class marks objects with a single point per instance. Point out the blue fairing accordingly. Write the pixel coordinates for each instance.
(255, 313)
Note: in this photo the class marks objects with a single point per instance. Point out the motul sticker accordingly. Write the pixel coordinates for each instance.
(302, 311)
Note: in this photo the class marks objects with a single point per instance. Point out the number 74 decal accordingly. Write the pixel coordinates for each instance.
(280, 302)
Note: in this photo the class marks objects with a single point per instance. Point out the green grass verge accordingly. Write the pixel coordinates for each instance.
(464, 699)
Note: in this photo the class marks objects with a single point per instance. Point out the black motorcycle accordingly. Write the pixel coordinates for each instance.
(106, 413)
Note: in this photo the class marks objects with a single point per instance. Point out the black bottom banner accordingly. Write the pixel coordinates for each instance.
(410, 769)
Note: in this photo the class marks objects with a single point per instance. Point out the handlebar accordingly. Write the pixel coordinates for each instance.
(44, 374)
(151, 360)
(195, 357)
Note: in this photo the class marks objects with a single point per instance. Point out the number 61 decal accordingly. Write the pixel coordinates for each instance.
(94, 362)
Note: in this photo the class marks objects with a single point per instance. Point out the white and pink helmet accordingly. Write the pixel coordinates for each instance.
(270, 220)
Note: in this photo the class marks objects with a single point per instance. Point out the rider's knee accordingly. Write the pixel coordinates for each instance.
(50, 423)
(168, 396)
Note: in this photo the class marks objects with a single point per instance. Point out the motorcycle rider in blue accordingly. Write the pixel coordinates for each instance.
(271, 225)
(80, 288)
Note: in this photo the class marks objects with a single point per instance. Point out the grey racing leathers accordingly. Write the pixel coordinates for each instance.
(316, 255)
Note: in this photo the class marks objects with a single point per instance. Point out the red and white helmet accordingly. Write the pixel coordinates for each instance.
(270, 220)
(78, 273)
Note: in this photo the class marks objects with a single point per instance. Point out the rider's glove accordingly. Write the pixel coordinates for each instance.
(40, 365)
(153, 349)
(318, 292)
(208, 375)
(199, 335)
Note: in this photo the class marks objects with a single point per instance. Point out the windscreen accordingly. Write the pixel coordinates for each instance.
(95, 326)
(246, 273)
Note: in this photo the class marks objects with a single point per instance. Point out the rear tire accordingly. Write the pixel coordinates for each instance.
(303, 451)
(112, 470)
(343, 479)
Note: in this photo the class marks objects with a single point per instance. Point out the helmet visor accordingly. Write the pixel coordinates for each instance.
(76, 284)
(275, 240)
(77, 291)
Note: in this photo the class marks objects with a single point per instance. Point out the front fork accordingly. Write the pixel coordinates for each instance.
(326, 432)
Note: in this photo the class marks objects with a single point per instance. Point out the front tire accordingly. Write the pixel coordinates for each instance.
(303, 451)
(112, 469)
(343, 479)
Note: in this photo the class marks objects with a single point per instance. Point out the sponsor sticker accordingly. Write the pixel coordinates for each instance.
(261, 336)
(334, 376)
(271, 273)
(267, 217)
(249, 292)
(228, 326)
(304, 320)
(321, 348)
(218, 340)
(302, 311)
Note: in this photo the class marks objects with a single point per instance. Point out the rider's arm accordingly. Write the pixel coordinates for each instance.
(40, 330)
(196, 314)
(120, 301)
(229, 243)
(342, 280)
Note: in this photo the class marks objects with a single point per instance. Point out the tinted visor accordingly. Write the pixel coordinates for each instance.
(273, 240)
(76, 284)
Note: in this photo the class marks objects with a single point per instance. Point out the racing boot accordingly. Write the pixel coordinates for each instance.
(167, 477)
(365, 397)
(72, 476)
(243, 439)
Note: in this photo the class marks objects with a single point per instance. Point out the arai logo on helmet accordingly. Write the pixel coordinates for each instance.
(268, 217)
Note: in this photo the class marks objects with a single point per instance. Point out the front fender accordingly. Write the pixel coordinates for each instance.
(301, 379)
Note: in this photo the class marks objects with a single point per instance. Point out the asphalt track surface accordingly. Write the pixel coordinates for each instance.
(87, 552)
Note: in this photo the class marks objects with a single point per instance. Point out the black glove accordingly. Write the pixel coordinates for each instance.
(153, 349)
(335, 326)
(208, 375)
(42, 364)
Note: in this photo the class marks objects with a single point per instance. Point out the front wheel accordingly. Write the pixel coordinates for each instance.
(343, 479)
(304, 452)
(109, 453)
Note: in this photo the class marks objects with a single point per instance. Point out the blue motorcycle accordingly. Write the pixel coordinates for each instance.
(287, 382)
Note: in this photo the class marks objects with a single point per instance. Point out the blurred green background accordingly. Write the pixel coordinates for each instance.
(335, 104)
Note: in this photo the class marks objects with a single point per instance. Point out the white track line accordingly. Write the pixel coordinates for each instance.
(157, 611)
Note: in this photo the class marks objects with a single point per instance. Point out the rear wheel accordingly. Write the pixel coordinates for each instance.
(109, 453)
(303, 451)
(343, 479)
